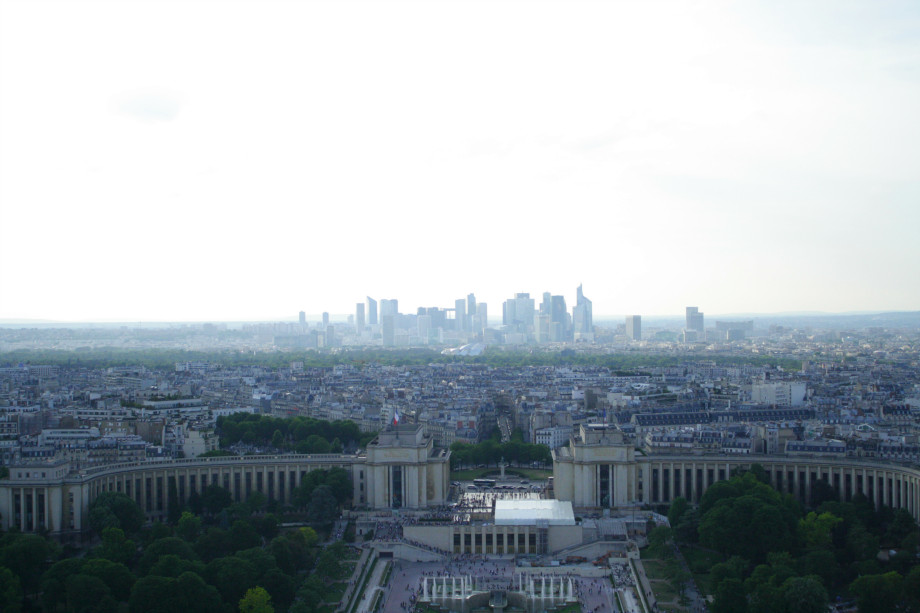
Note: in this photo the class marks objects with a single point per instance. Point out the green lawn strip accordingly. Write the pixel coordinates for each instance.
(375, 603)
(352, 553)
(639, 589)
(666, 594)
(356, 595)
(336, 591)
(570, 608)
(657, 573)
(386, 574)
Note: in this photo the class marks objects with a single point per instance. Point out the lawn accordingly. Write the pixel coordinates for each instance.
(336, 591)
(700, 562)
(659, 577)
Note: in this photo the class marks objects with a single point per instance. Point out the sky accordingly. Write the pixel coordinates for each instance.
(198, 160)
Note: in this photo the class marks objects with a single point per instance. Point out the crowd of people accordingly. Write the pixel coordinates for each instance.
(622, 576)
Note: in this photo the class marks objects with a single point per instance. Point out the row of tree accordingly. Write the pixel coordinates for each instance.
(300, 434)
(491, 451)
(226, 557)
(165, 359)
(780, 558)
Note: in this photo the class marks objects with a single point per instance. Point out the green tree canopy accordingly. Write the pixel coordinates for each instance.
(256, 600)
(10, 591)
(115, 510)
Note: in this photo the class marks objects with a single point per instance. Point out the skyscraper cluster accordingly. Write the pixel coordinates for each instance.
(552, 321)
(524, 321)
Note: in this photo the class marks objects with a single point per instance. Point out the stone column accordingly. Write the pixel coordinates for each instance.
(660, 482)
(22, 509)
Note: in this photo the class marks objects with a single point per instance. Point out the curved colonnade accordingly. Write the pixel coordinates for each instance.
(33, 498)
(895, 485)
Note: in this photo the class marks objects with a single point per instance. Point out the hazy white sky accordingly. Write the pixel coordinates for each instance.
(246, 160)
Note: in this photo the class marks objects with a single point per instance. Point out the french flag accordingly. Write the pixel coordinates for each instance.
(396, 417)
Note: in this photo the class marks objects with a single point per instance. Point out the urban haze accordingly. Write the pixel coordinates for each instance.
(360, 307)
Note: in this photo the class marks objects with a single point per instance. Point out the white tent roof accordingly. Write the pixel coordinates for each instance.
(529, 512)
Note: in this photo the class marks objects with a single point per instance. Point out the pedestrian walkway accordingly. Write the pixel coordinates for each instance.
(366, 600)
(353, 583)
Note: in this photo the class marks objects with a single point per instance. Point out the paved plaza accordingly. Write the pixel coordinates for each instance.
(594, 593)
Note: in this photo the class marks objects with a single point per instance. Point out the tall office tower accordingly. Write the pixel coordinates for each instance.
(518, 312)
(695, 320)
(482, 317)
(437, 318)
(470, 305)
(371, 311)
(303, 318)
(359, 316)
(559, 322)
(582, 314)
(424, 327)
(546, 307)
(541, 327)
(388, 329)
(389, 307)
(460, 314)
(325, 319)
(634, 327)
(330, 336)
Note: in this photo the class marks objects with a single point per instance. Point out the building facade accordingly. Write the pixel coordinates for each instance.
(598, 470)
(401, 468)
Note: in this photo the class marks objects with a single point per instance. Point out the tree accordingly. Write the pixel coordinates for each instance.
(116, 576)
(215, 543)
(115, 546)
(821, 492)
(278, 440)
(171, 565)
(88, 594)
(911, 589)
(197, 595)
(804, 595)
(902, 525)
(173, 508)
(216, 499)
(817, 528)
(54, 592)
(743, 516)
(328, 564)
(10, 591)
(730, 597)
(261, 560)
(310, 537)
(26, 555)
(322, 508)
(877, 593)
(243, 536)
(232, 576)
(162, 547)
(154, 594)
(256, 502)
(256, 600)
(188, 527)
(660, 542)
(678, 507)
(280, 586)
(115, 510)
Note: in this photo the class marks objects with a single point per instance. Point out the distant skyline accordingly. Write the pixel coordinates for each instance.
(243, 161)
